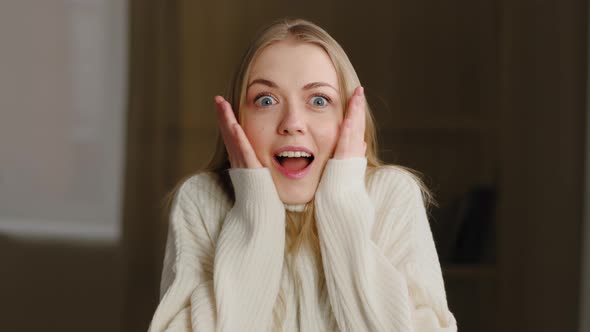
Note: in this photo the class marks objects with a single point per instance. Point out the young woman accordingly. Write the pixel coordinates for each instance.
(297, 226)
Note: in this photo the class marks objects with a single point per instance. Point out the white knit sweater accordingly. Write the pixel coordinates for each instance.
(225, 263)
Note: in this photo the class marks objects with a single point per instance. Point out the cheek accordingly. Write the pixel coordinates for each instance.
(257, 134)
(252, 133)
(327, 136)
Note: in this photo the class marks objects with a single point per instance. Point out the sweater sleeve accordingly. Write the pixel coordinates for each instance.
(241, 291)
(390, 281)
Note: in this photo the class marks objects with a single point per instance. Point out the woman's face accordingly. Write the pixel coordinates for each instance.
(292, 115)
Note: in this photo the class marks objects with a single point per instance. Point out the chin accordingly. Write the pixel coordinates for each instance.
(294, 197)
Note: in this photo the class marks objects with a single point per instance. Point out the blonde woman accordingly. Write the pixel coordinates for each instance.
(297, 226)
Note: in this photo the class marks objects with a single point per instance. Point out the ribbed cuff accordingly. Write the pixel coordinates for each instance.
(254, 184)
(344, 174)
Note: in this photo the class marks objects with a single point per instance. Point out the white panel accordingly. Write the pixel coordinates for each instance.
(62, 103)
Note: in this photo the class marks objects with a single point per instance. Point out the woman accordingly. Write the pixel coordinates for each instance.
(297, 225)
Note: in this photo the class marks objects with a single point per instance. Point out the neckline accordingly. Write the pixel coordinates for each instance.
(295, 207)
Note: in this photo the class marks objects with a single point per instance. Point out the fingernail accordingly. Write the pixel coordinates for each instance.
(361, 91)
(219, 99)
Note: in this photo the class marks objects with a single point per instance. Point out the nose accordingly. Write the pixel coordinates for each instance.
(292, 122)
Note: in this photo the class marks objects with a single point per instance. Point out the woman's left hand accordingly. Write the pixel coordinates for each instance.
(352, 131)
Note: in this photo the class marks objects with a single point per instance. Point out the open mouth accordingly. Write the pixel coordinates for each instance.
(294, 161)
(294, 164)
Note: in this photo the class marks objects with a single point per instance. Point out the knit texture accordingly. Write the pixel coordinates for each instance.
(225, 264)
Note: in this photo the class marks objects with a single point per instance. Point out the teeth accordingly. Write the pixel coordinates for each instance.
(293, 154)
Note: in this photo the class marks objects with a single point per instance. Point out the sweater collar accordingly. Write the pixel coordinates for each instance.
(295, 207)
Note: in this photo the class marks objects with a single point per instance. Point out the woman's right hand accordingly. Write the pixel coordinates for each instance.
(239, 150)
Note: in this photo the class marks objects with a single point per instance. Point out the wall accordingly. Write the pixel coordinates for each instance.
(62, 140)
(585, 261)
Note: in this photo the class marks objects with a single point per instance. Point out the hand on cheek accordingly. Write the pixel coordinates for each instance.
(352, 130)
(239, 150)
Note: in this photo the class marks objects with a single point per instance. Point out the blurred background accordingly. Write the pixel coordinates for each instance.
(107, 104)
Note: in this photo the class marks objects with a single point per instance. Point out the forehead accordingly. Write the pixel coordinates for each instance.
(292, 63)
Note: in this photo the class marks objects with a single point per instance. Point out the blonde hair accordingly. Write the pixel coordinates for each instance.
(301, 230)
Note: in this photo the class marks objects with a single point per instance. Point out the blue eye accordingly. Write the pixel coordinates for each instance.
(264, 101)
(319, 101)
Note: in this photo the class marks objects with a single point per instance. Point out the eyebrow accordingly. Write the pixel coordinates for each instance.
(272, 84)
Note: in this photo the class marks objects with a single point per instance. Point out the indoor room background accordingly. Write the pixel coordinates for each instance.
(107, 104)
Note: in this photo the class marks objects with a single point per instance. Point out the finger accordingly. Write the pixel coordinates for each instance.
(227, 120)
(240, 151)
(354, 136)
(343, 147)
(357, 113)
(362, 121)
(352, 106)
(246, 151)
(220, 116)
(225, 114)
(356, 140)
(362, 111)
(225, 127)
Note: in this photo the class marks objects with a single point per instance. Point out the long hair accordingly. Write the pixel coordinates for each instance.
(301, 231)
